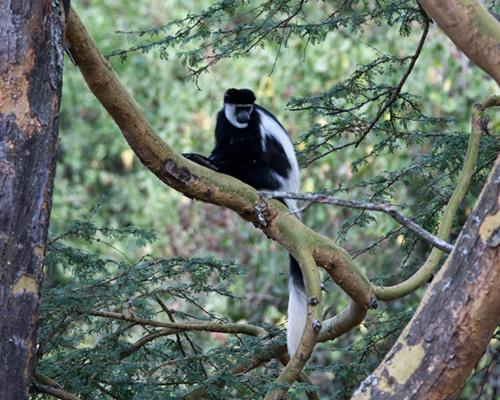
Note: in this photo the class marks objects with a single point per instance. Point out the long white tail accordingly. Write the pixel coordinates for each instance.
(297, 307)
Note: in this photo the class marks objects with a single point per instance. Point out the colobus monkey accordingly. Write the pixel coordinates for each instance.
(252, 146)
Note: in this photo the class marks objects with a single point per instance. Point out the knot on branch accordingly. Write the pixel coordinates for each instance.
(313, 301)
(373, 304)
(180, 174)
(316, 325)
(263, 213)
(260, 209)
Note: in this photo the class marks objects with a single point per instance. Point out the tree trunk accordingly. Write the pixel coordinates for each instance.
(31, 61)
(455, 321)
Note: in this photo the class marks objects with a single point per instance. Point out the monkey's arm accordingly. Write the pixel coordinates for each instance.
(254, 171)
(202, 160)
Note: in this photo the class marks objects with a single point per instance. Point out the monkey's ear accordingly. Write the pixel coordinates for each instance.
(201, 160)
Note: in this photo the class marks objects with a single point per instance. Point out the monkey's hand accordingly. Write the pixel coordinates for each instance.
(202, 160)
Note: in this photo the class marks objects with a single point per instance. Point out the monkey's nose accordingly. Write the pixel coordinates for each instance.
(243, 116)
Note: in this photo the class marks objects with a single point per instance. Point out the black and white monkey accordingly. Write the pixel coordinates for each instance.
(252, 146)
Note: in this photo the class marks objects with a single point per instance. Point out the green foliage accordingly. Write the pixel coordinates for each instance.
(482, 382)
(360, 358)
(374, 119)
(254, 25)
(95, 354)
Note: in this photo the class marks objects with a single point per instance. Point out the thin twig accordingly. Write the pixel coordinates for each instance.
(171, 318)
(398, 89)
(94, 211)
(52, 388)
(385, 208)
(178, 327)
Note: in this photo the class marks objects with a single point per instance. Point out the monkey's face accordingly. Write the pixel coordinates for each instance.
(238, 114)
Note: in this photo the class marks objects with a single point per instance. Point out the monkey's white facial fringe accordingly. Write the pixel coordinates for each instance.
(230, 111)
(297, 315)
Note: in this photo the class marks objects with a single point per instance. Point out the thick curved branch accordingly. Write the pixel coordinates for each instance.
(168, 165)
(313, 325)
(423, 274)
(349, 318)
(203, 184)
(472, 28)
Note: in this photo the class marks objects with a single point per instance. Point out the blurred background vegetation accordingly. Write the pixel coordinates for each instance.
(99, 179)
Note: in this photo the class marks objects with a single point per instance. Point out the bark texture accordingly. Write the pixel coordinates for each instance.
(455, 321)
(31, 60)
(472, 28)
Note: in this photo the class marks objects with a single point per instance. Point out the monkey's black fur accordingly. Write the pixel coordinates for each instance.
(252, 146)
(239, 153)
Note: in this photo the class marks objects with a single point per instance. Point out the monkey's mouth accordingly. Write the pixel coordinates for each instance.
(243, 114)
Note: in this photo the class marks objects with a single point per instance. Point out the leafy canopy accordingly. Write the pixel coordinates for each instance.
(381, 110)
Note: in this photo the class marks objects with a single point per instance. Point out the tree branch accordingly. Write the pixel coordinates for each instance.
(52, 388)
(472, 28)
(423, 274)
(385, 208)
(167, 164)
(203, 184)
(177, 327)
(459, 313)
(313, 325)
